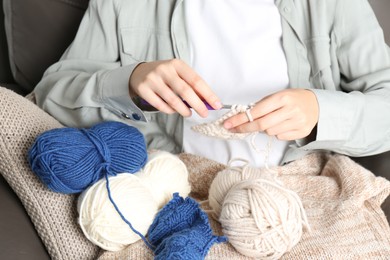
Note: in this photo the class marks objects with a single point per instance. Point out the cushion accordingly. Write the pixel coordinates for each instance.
(38, 32)
(381, 9)
(54, 215)
(5, 71)
(341, 200)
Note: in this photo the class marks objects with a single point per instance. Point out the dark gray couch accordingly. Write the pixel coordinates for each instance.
(43, 29)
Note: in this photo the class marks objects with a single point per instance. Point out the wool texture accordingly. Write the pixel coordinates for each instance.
(260, 217)
(181, 230)
(68, 160)
(165, 174)
(100, 220)
(342, 201)
(118, 210)
(52, 214)
(216, 129)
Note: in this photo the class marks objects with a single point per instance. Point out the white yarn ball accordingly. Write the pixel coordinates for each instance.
(102, 224)
(165, 174)
(262, 219)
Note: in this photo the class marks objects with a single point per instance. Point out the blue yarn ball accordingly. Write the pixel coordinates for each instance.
(68, 160)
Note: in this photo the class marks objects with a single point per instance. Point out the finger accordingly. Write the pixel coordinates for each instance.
(290, 135)
(263, 107)
(273, 119)
(182, 89)
(267, 105)
(150, 92)
(154, 100)
(201, 88)
(238, 123)
(173, 100)
(265, 123)
(283, 127)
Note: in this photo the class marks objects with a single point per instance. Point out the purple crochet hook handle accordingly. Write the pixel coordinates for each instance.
(144, 102)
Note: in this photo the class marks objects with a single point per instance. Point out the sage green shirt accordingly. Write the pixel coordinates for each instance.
(335, 48)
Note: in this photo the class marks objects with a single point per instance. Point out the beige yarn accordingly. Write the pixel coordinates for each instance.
(227, 178)
(260, 217)
(216, 129)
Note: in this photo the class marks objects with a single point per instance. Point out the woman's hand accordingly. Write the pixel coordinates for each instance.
(164, 84)
(288, 114)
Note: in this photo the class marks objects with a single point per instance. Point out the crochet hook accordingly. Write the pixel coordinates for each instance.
(209, 107)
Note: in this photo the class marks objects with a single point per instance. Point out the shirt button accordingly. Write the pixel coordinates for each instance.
(136, 116)
(287, 9)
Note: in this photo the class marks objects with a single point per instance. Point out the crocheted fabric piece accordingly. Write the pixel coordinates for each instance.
(181, 230)
(216, 129)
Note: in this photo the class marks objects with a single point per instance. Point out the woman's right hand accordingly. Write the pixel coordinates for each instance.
(165, 84)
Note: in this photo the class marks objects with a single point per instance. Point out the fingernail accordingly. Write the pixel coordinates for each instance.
(218, 105)
(227, 125)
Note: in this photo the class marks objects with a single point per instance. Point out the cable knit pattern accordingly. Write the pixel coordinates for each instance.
(181, 230)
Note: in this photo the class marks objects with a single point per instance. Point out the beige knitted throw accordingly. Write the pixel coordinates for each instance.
(54, 215)
(342, 201)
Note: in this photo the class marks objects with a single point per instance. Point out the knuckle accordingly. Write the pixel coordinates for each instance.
(160, 69)
(285, 98)
(260, 126)
(175, 62)
(150, 77)
(173, 100)
(302, 121)
(307, 131)
(270, 132)
(195, 81)
(184, 91)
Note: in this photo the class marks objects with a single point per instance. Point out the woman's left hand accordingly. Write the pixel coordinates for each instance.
(288, 115)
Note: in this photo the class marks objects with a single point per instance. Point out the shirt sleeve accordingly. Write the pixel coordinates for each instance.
(89, 83)
(356, 121)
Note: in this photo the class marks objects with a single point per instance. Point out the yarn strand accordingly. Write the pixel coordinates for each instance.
(124, 218)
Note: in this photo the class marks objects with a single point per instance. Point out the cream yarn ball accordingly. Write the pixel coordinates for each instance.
(102, 224)
(138, 196)
(260, 217)
(165, 174)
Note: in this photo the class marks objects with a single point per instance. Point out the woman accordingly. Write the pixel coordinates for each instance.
(317, 71)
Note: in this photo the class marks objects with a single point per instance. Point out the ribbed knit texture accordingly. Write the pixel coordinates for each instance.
(54, 215)
(181, 230)
(341, 198)
(68, 160)
(216, 128)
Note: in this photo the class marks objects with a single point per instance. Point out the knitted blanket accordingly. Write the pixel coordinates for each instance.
(342, 201)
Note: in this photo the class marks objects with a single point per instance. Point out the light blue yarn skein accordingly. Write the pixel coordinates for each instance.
(68, 160)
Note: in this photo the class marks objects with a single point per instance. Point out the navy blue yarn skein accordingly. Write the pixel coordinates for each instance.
(68, 160)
